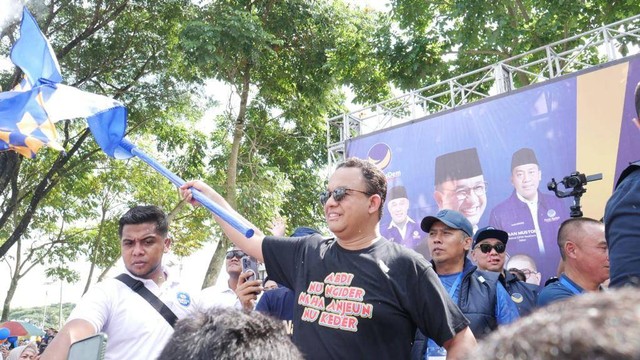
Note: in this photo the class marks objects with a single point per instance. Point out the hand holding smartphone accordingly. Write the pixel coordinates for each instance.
(249, 263)
(91, 348)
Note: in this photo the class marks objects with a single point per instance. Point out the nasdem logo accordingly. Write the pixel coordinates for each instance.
(380, 155)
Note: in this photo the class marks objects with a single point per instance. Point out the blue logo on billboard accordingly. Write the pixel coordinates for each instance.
(183, 298)
(380, 155)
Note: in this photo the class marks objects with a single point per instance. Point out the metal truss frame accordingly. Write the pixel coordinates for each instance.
(583, 51)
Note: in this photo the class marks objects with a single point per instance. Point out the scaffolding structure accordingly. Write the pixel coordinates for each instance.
(583, 51)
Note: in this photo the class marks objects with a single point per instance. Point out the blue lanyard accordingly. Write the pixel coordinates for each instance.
(432, 344)
(454, 287)
(568, 285)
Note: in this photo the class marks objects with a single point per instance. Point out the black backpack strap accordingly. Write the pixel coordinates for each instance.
(138, 286)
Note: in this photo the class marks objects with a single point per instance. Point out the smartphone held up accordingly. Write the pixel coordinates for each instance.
(249, 263)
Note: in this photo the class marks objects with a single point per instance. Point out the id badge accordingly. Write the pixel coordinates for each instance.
(436, 353)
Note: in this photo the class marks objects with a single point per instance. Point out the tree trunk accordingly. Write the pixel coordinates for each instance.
(6, 308)
(214, 265)
(88, 284)
(95, 248)
(232, 174)
(106, 270)
(45, 185)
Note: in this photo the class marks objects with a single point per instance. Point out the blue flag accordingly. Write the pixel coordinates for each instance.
(34, 55)
(28, 113)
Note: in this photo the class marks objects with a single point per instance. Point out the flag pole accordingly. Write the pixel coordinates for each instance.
(200, 197)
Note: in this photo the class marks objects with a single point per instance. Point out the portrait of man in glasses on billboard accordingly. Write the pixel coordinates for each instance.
(460, 184)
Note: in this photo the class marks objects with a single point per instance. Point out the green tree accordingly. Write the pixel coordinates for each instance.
(270, 149)
(474, 34)
(126, 50)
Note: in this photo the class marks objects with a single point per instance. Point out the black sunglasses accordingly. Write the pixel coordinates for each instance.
(486, 248)
(338, 194)
(235, 253)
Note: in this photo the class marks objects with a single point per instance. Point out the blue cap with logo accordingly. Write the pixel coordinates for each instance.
(490, 232)
(451, 218)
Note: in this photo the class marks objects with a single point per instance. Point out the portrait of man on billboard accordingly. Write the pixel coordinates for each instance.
(460, 184)
(401, 229)
(530, 217)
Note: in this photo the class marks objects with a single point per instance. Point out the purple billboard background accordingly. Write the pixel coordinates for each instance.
(542, 118)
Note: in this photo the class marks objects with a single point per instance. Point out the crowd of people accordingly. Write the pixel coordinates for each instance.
(23, 347)
(358, 294)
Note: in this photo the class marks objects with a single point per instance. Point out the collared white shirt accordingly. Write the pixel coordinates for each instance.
(533, 209)
(219, 296)
(135, 330)
(401, 229)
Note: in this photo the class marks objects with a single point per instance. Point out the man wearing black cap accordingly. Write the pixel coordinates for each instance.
(489, 245)
(622, 222)
(460, 184)
(402, 229)
(530, 217)
(479, 294)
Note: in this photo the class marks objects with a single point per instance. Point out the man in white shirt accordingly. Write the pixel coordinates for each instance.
(134, 328)
(237, 292)
(531, 218)
(402, 229)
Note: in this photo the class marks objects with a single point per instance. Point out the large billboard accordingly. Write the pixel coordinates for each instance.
(492, 160)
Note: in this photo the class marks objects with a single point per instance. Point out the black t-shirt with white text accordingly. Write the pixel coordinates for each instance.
(360, 304)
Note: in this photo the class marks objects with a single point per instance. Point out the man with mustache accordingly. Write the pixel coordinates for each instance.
(460, 185)
(586, 260)
(135, 329)
(357, 294)
(530, 217)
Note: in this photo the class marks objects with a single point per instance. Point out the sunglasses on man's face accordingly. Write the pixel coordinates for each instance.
(486, 248)
(338, 194)
(235, 253)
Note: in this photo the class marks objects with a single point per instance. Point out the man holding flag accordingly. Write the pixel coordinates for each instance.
(358, 295)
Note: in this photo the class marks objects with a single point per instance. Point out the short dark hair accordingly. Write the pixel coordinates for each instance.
(145, 214)
(376, 181)
(225, 333)
(569, 227)
(519, 274)
(598, 325)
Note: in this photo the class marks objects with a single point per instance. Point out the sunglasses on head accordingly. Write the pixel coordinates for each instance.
(486, 248)
(338, 194)
(235, 253)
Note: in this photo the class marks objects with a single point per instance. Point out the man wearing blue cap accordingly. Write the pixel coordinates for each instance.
(489, 245)
(479, 294)
(530, 217)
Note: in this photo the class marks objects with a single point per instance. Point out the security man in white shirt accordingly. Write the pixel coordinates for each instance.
(135, 329)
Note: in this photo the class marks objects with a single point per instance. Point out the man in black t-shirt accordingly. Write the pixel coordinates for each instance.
(358, 295)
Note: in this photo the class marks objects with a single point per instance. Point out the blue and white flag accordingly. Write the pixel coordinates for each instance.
(28, 112)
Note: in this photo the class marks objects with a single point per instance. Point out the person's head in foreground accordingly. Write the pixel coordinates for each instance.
(601, 325)
(225, 333)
